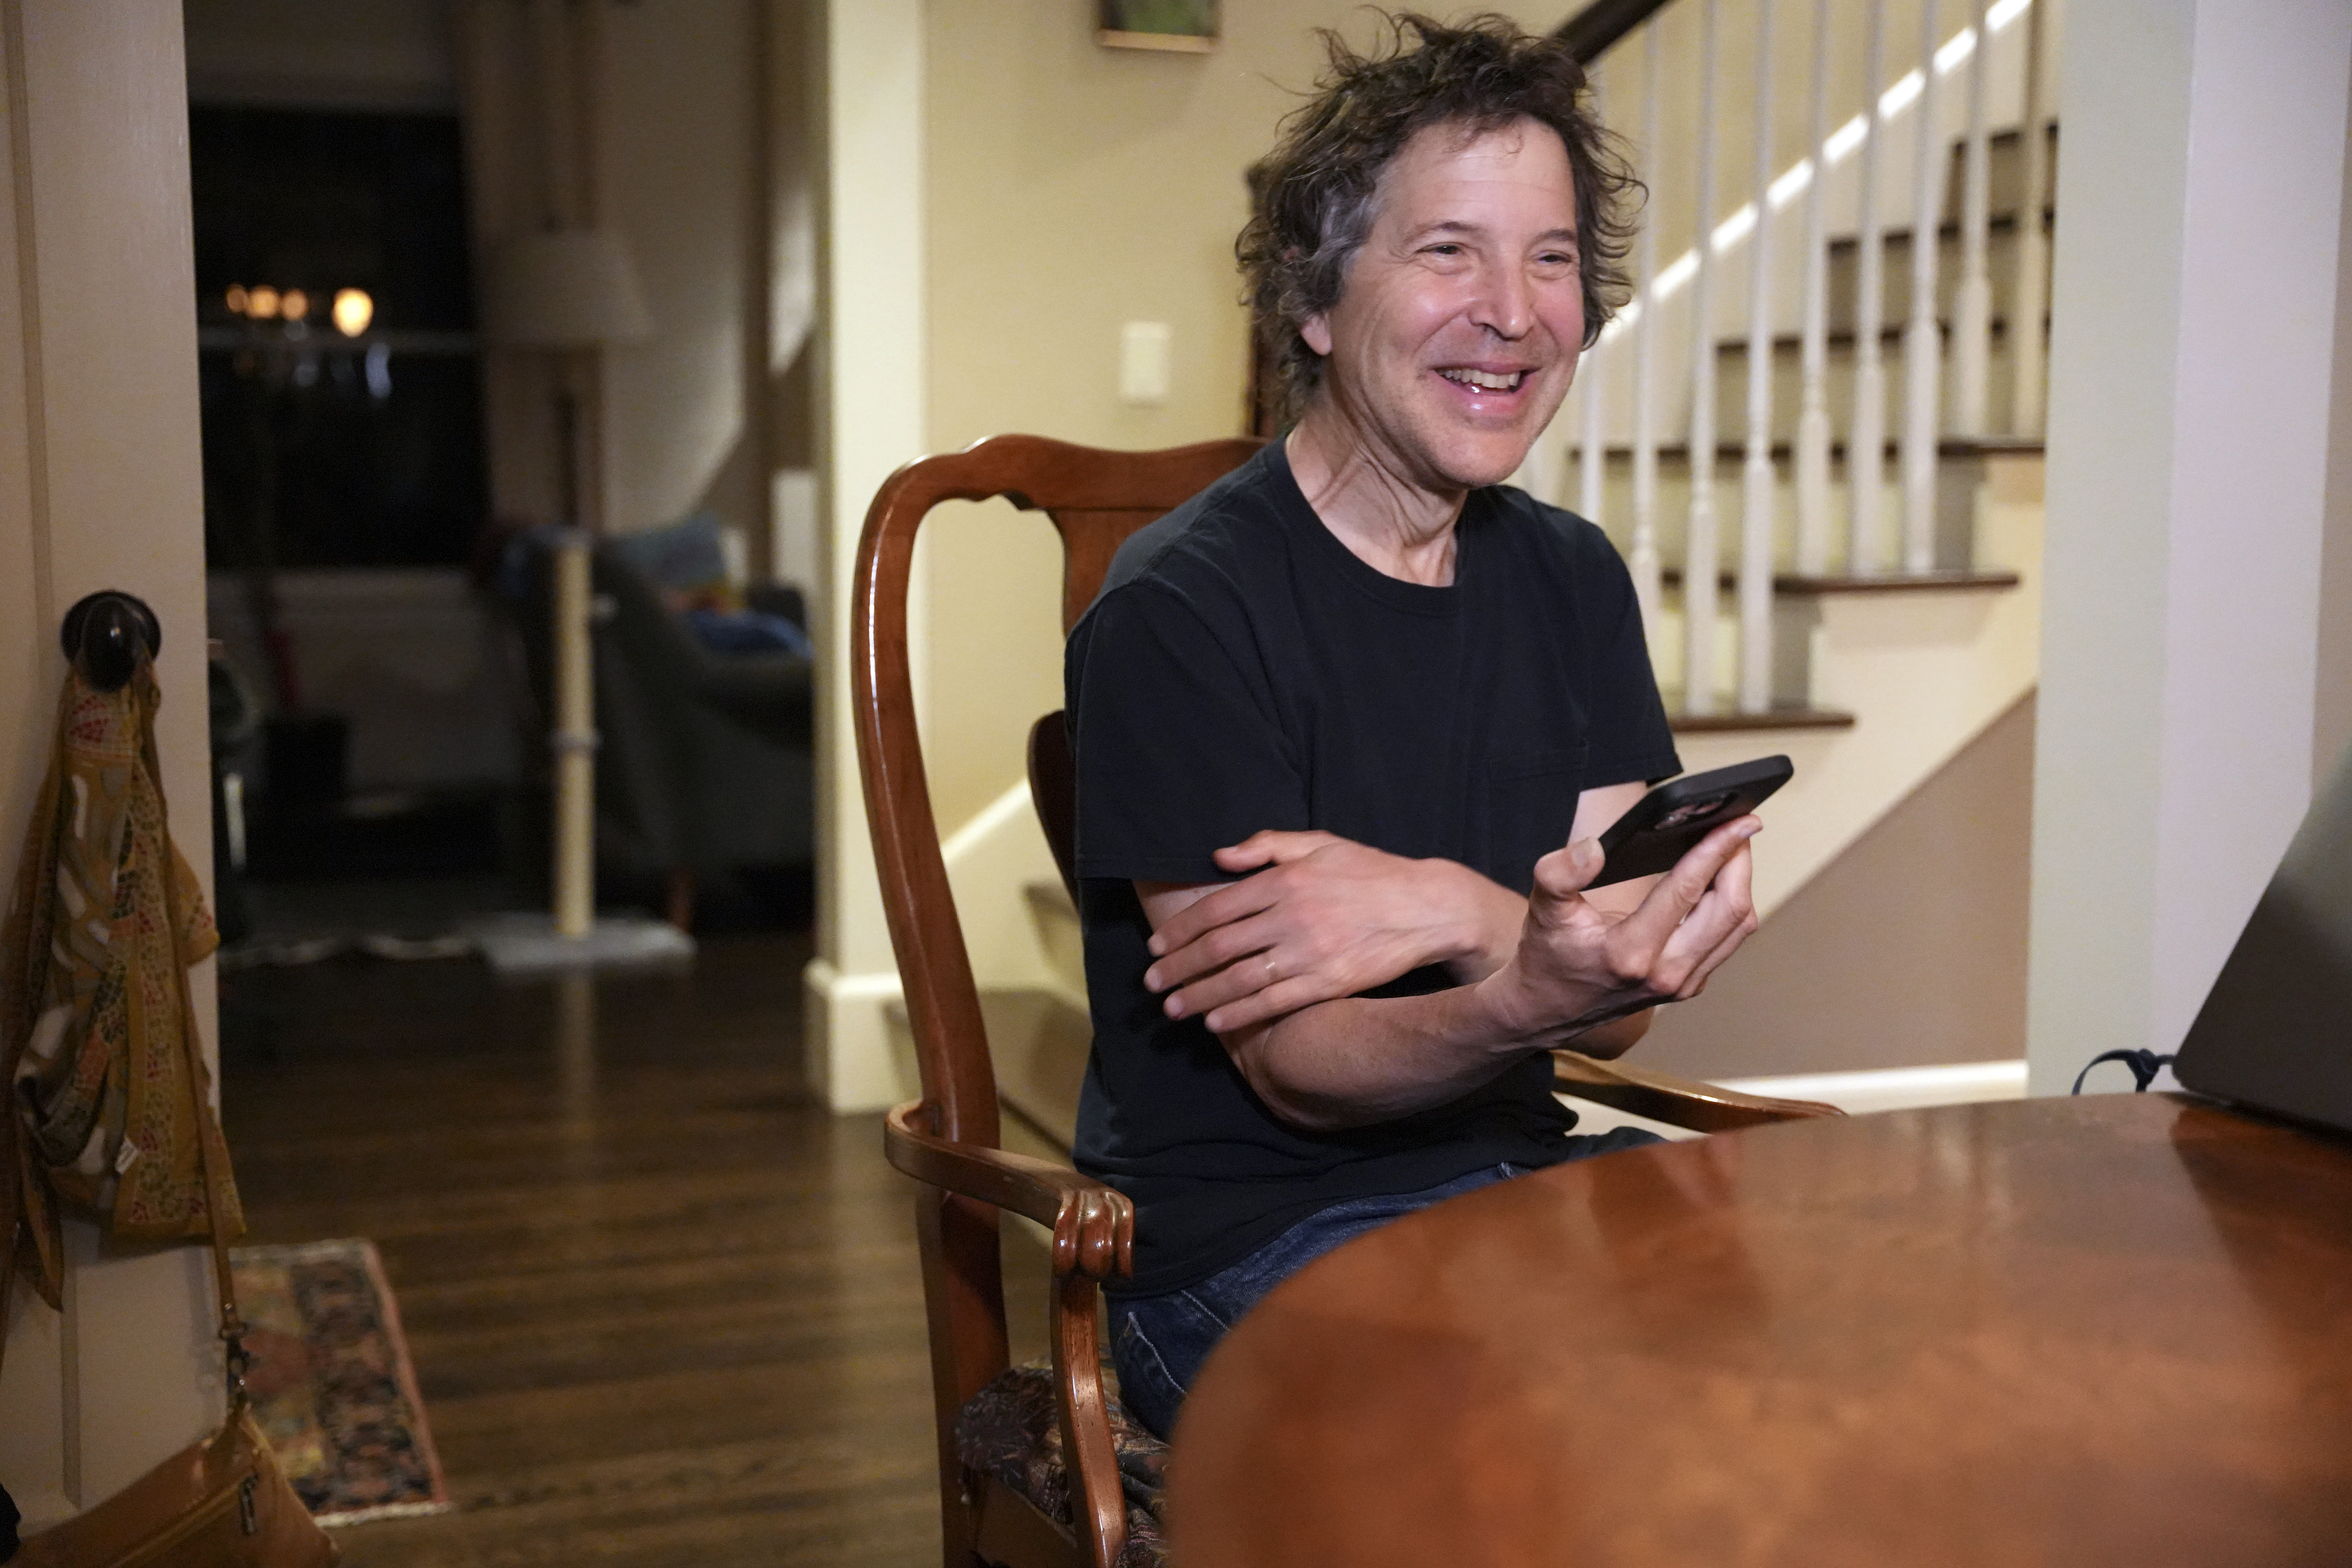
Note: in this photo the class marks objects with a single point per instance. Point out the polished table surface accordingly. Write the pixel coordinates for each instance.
(2115, 1330)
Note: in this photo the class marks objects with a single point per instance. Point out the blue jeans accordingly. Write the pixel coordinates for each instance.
(1158, 1342)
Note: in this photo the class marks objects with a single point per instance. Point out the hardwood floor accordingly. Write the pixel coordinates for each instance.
(663, 1308)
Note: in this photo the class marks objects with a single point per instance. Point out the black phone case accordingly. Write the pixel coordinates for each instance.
(1665, 823)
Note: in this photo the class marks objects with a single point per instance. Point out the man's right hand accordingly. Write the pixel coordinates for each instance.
(1577, 965)
(1321, 917)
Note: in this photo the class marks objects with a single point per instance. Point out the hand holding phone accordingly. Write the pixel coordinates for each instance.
(1665, 824)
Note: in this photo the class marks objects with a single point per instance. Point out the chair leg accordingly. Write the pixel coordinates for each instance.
(963, 1302)
(681, 900)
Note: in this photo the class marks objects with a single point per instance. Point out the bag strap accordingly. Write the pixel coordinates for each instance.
(232, 1322)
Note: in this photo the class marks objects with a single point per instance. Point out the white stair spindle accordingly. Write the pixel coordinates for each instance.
(1972, 305)
(1643, 558)
(1591, 456)
(1866, 437)
(1758, 479)
(2029, 298)
(1700, 555)
(1542, 472)
(1813, 420)
(1592, 452)
(1923, 338)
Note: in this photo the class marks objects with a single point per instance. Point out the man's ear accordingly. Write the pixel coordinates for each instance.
(1316, 330)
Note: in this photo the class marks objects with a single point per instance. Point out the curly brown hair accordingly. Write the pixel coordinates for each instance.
(1312, 199)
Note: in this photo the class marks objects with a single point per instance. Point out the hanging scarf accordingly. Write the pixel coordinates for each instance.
(94, 999)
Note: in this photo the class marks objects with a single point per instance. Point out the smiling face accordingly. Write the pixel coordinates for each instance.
(1458, 330)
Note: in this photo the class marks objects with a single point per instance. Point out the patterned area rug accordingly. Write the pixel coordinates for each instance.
(331, 1382)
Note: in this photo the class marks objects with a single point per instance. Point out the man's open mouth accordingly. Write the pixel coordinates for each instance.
(1487, 381)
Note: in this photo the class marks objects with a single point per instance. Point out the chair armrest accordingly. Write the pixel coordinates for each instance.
(1093, 1223)
(1678, 1102)
(1094, 1238)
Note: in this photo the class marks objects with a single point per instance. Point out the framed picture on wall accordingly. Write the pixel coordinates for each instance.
(1189, 26)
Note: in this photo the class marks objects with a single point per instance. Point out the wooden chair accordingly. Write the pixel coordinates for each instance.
(948, 1139)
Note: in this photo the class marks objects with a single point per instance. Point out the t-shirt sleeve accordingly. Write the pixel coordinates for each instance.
(1178, 744)
(1630, 740)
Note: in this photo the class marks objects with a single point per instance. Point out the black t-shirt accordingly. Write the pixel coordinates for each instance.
(1244, 669)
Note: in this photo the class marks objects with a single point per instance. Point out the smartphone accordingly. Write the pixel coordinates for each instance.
(1665, 823)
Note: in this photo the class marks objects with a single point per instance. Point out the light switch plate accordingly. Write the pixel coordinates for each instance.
(1143, 364)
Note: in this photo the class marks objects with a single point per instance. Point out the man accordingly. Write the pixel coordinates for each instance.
(1336, 717)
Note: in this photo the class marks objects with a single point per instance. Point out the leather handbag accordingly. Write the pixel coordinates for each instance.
(221, 1502)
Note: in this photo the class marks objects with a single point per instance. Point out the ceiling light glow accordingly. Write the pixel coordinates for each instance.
(353, 311)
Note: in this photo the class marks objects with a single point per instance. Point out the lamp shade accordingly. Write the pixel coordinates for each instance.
(565, 289)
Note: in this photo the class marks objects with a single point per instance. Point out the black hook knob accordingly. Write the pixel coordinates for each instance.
(98, 636)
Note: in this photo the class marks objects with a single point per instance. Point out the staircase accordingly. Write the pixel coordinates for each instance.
(1870, 619)
(1870, 630)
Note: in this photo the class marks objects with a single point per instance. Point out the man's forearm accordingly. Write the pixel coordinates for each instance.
(1614, 1038)
(1365, 1060)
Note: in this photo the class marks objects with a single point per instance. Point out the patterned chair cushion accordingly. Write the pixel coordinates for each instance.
(1011, 1430)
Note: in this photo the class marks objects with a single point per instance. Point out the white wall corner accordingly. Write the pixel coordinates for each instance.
(2194, 277)
(868, 74)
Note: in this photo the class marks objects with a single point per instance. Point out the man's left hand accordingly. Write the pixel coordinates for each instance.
(1324, 917)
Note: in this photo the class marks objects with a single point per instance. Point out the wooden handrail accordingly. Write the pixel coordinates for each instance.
(1592, 30)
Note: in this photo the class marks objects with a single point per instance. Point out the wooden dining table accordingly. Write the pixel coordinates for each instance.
(2112, 1330)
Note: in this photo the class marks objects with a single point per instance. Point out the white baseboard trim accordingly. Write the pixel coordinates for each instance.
(1895, 1089)
(45, 1508)
(850, 1059)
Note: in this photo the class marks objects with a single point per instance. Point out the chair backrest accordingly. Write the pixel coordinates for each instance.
(1095, 498)
(1054, 791)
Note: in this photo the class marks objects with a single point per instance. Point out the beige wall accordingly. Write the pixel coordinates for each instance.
(681, 175)
(1071, 188)
(1907, 951)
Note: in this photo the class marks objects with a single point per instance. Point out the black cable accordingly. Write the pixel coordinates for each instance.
(2144, 1066)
